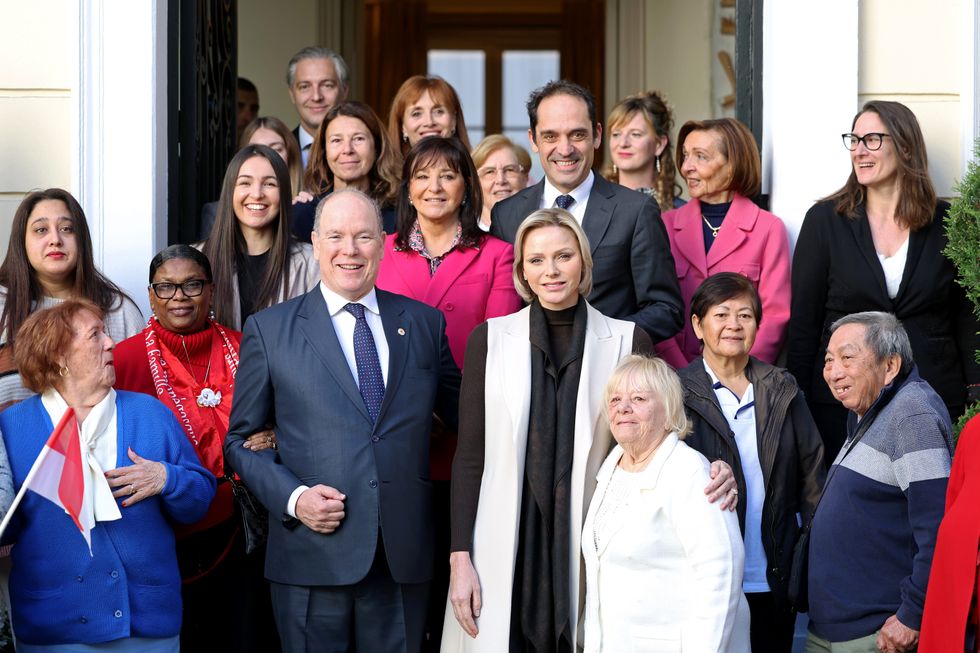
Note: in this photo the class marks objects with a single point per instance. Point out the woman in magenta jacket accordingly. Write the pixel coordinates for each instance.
(440, 256)
(722, 230)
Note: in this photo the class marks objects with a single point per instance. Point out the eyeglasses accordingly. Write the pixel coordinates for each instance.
(510, 172)
(167, 290)
(872, 140)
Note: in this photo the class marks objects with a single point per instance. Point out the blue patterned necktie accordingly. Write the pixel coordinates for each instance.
(564, 201)
(372, 383)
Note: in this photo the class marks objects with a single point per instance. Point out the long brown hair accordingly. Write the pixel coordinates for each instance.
(652, 106)
(383, 176)
(293, 157)
(411, 90)
(226, 244)
(19, 278)
(917, 197)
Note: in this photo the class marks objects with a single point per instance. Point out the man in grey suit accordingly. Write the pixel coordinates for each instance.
(350, 376)
(633, 275)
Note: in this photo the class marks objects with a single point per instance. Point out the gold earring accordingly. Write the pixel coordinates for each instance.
(64, 372)
(658, 164)
(615, 169)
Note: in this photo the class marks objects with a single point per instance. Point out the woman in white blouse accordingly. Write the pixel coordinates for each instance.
(663, 567)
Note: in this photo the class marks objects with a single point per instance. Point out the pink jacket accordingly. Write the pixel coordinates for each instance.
(470, 287)
(752, 242)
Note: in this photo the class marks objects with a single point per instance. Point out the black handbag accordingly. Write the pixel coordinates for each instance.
(253, 515)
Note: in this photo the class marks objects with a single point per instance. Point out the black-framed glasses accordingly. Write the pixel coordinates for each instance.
(871, 140)
(167, 290)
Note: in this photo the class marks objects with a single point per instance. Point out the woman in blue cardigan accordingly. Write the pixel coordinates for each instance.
(121, 590)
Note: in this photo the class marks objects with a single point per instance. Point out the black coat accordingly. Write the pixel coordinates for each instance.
(836, 272)
(790, 454)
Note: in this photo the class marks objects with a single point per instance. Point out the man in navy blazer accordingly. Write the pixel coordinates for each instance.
(318, 80)
(633, 273)
(350, 535)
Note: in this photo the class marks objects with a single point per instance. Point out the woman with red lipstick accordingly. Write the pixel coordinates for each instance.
(425, 105)
(440, 256)
(640, 150)
(188, 361)
(877, 245)
(256, 261)
(722, 230)
(351, 150)
(753, 416)
(49, 259)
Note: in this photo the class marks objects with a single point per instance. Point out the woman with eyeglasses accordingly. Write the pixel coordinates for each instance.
(877, 245)
(188, 361)
(502, 167)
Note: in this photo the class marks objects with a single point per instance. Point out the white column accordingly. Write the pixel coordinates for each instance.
(810, 87)
(120, 172)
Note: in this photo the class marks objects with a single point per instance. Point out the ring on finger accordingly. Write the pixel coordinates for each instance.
(734, 491)
(132, 489)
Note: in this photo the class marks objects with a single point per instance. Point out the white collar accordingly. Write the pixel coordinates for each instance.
(305, 138)
(336, 303)
(580, 193)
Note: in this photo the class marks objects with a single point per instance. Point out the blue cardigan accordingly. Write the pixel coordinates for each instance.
(130, 585)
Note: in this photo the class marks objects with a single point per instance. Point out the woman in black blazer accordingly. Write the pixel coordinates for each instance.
(877, 245)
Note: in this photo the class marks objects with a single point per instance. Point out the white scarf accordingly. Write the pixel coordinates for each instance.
(98, 440)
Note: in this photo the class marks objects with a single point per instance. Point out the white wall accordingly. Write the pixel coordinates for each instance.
(36, 79)
(810, 83)
(913, 52)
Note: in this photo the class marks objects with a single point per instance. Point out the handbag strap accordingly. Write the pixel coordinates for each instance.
(862, 428)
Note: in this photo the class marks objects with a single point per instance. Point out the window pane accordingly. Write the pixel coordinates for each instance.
(524, 71)
(465, 70)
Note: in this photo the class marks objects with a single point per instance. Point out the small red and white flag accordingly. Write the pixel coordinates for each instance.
(58, 475)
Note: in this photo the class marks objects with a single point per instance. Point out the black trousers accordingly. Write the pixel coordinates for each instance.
(772, 626)
(374, 615)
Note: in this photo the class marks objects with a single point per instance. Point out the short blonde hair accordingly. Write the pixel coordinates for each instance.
(655, 376)
(551, 218)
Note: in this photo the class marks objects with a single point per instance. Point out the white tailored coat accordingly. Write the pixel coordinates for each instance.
(507, 389)
(668, 578)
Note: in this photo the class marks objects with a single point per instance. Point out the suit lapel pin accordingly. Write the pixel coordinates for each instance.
(401, 331)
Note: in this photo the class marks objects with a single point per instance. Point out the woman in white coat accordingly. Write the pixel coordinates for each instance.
(663, 568)
(531, 440)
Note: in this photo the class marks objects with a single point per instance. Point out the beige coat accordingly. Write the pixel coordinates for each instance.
(507, 389)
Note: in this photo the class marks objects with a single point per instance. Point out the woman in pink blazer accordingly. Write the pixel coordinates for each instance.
(721, 230)
(440, 256)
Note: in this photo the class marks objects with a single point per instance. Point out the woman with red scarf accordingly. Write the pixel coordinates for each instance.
(188, 361)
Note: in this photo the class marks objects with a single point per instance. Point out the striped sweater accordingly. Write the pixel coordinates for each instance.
(874, 532)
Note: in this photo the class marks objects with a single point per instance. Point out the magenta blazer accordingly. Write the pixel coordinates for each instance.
(471, 285)
(752, 242)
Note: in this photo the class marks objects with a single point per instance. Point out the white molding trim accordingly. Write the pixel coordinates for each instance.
(969, 100)
(120, 171)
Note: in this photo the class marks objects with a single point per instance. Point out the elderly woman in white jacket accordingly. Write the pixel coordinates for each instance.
(663, 567)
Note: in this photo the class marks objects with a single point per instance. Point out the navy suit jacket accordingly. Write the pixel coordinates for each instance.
(633, 275)
(294, 374)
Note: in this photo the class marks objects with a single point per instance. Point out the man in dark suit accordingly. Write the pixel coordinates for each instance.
(318, 80)
(633, 275)
(350, 376)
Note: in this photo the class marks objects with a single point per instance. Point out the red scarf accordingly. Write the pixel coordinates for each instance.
(179, 390)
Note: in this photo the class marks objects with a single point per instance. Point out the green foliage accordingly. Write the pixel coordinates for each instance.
(963, 231)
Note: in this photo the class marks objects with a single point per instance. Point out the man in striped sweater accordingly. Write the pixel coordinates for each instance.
(874, 531)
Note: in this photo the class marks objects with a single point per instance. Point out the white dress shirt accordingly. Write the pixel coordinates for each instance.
(343, 324)
(580, 193)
